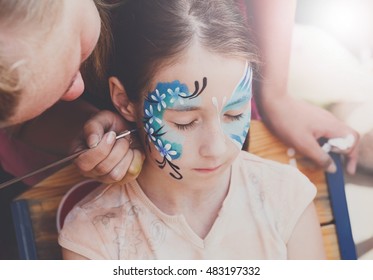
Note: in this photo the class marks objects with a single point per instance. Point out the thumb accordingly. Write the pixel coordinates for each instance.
(135, 166)
(95, 128)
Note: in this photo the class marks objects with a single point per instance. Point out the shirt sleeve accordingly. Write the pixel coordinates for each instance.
(81, 236)
(292, 195)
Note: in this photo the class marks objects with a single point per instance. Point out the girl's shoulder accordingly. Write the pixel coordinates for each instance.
(248, 160)
(280, 190)
(106, 197)
(269, 173)
(98, 216)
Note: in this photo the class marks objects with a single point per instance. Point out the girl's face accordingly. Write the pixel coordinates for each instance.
(52, 61)
(197, 115)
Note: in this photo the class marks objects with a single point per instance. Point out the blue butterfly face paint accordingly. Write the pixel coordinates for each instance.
(238, 124)
(167, 141)
(233, 115)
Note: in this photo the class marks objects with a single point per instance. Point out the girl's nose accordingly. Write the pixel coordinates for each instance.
(213, 142)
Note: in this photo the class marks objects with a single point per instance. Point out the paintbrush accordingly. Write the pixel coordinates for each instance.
(58, 162)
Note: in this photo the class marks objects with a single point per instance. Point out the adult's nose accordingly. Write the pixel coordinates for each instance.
(75, 90)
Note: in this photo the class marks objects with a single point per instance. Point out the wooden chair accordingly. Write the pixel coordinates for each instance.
(37, 208)
(330, 201)
(34, 215)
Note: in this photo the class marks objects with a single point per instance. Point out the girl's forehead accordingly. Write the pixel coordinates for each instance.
(198, 62)
(221, 83)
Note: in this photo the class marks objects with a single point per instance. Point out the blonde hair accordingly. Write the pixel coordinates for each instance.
(38, 16)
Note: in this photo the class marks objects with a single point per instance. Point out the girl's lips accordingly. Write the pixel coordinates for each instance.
(207, 170)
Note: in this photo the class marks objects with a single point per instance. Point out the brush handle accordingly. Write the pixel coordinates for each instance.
(56, 163)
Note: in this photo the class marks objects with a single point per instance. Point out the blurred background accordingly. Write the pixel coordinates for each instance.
(332, 66)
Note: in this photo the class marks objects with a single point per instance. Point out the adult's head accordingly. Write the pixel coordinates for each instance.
(42, 46)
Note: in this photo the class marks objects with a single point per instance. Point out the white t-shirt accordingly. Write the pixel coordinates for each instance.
(264, 202)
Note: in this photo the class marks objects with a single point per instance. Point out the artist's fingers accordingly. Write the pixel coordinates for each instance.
(104, 121)
(126, 170)
(349, 150)
(352, 159)
(94, 130)
(88, 160)
(341, 131)
(311, 149)
(119, 171)
(131, 171)
(108, 164)
(351, 137)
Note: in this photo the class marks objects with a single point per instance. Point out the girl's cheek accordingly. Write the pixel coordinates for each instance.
(237, 131)
(175, 138)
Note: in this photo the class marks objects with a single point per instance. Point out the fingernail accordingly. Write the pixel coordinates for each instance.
(332, 168)
(93, 140)
(110, 137)
(116, 175)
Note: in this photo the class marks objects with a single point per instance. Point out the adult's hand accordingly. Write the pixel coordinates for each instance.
(300, 125)
(108, 160)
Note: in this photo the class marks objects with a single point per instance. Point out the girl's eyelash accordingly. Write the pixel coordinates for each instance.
(185, 126)
(190, 125)
(234, 118)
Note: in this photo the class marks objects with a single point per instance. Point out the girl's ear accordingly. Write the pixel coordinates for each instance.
(120, 100)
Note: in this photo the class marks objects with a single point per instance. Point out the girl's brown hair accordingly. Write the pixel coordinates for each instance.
(150, 34)
(94, 70)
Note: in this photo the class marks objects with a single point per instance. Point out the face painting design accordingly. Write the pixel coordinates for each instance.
(167, 142)
(239, 125)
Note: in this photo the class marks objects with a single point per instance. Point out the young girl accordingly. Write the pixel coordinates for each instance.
(183, 73)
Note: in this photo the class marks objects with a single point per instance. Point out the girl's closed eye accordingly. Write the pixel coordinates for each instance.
(233, 117)
(185, 126)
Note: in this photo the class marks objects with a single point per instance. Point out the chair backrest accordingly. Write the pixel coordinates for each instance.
(330, 201)
(35, 215)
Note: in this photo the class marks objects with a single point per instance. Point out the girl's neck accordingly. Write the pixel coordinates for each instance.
(198, 201)
(180, 196)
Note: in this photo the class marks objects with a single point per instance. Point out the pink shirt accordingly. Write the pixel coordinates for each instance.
(264, 203)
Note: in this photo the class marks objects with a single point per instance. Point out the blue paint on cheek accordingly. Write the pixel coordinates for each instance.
(166, 96)
(237, 130)
(175, 139)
